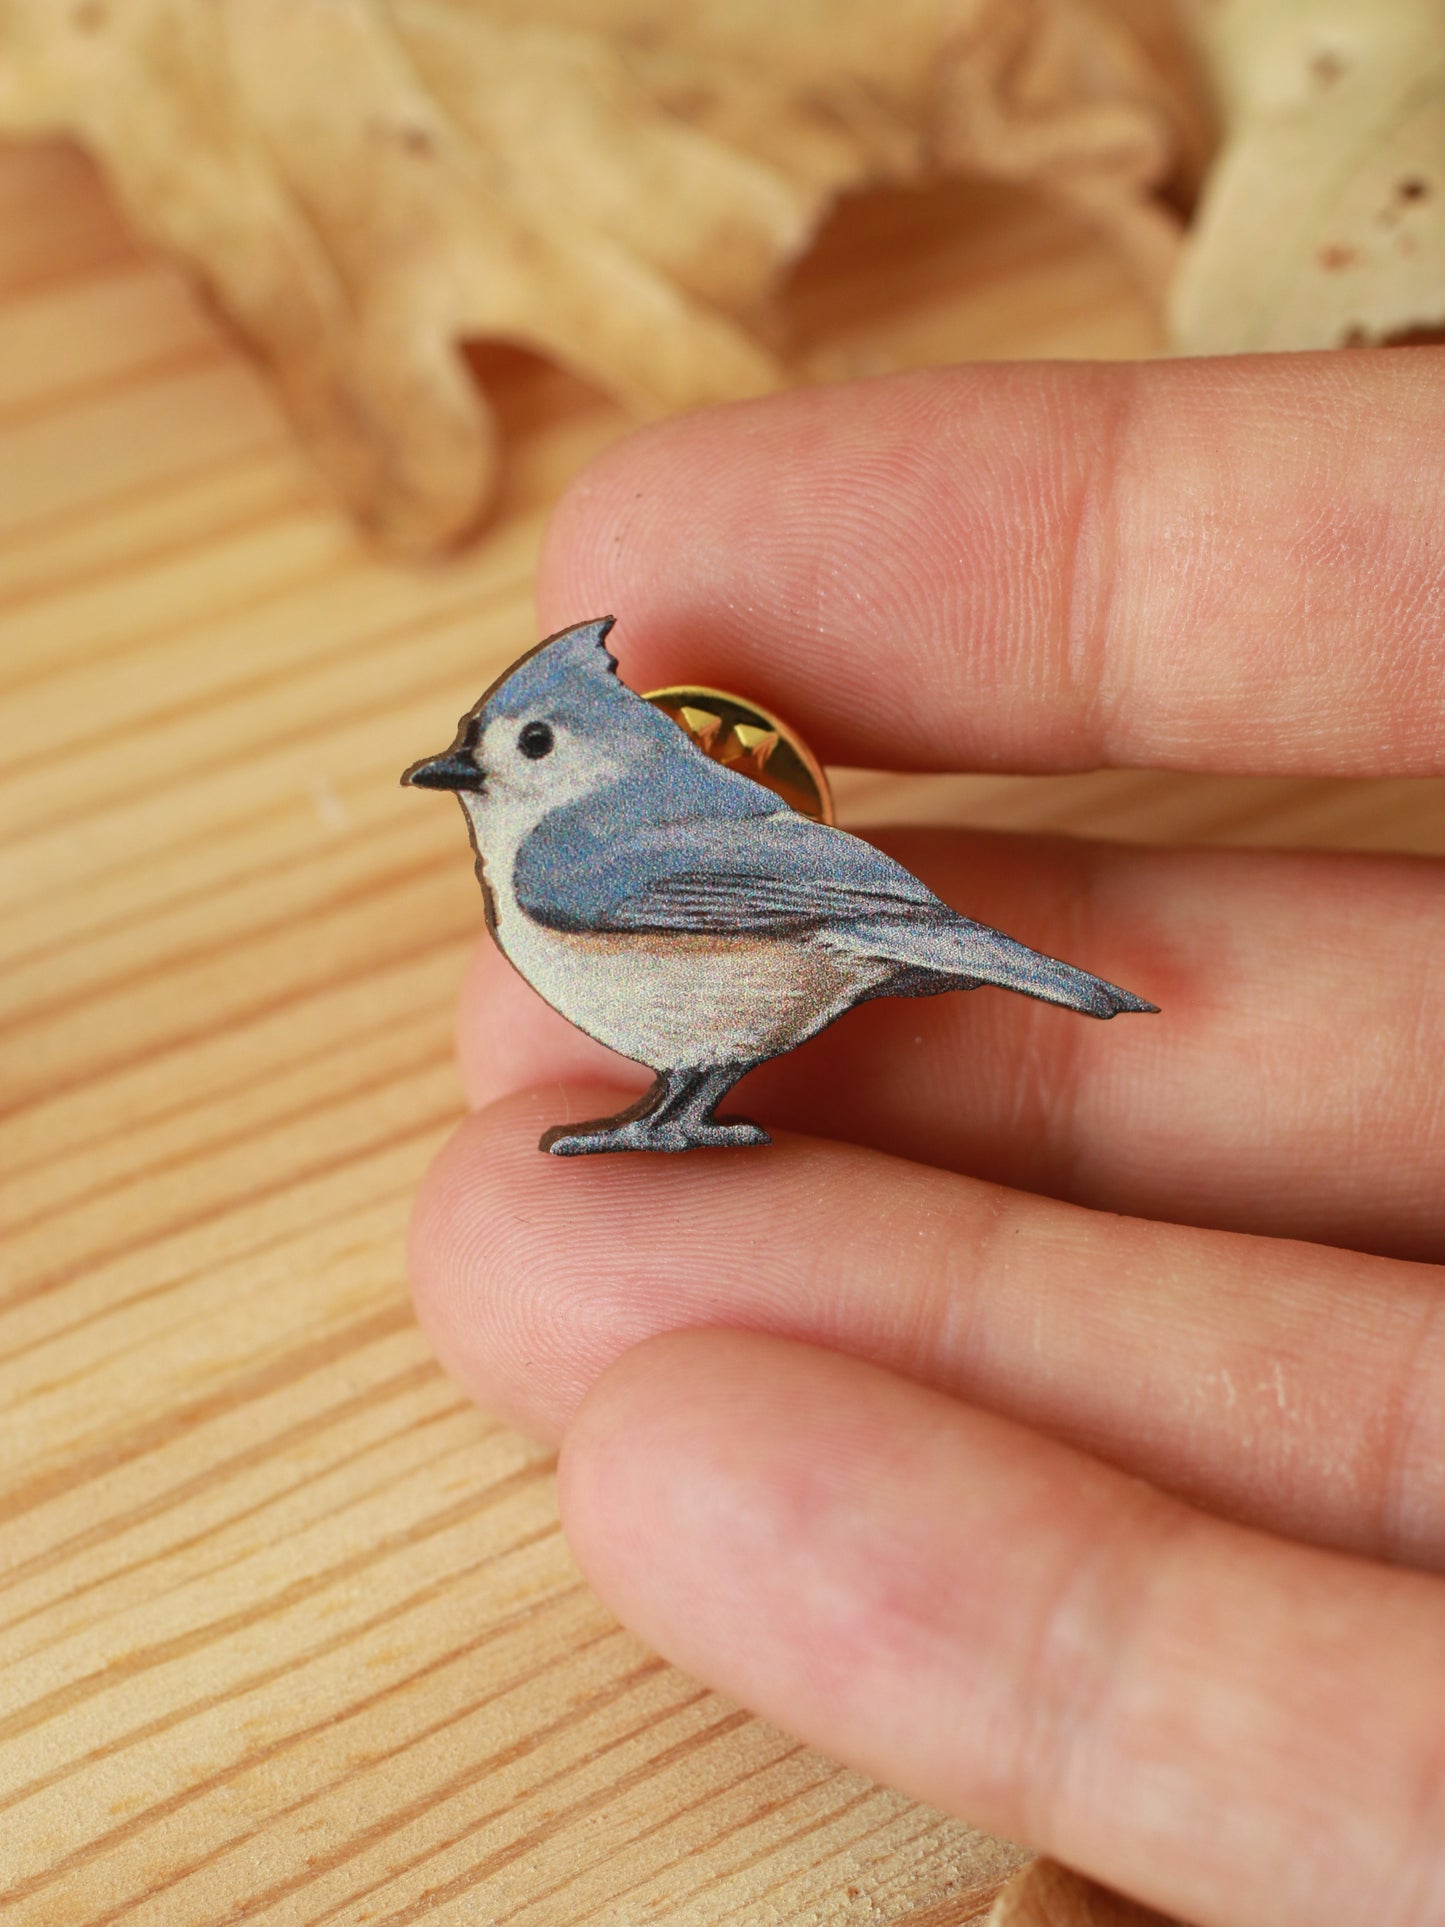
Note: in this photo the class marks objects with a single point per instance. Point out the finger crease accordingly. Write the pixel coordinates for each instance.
(1089, 568)
(1422, 1879)
(1089, 1634)
(1409, 1531)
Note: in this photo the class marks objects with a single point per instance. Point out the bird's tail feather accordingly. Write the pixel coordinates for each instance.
(969, 954)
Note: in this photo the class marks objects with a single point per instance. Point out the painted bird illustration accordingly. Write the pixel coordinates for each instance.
(681, 913)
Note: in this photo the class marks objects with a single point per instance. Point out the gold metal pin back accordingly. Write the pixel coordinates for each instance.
(743, 736)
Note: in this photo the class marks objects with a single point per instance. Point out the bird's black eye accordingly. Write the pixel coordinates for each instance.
(536, 739)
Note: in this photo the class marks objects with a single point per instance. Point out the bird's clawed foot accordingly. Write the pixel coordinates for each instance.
(565, 1142)
(675, 1115)
(722, 1132)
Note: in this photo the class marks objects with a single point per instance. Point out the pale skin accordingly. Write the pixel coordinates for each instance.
(1067, 1446)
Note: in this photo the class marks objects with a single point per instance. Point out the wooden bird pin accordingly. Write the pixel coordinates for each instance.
(679, 911)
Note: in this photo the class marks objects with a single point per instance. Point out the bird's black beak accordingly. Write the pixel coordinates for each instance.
(452, 770)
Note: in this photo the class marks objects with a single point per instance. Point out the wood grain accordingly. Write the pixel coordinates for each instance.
(288, 1633)
(1044, 1894)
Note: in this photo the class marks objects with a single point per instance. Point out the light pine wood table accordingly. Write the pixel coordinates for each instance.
(288, 1632)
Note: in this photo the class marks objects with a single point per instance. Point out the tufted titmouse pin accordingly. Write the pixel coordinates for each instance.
(680, 912)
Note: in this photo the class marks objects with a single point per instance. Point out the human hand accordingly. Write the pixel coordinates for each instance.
(1111, 1533)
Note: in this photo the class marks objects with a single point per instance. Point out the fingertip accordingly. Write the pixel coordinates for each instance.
(493, 1259)
(699, 1381)
(701, 533)
(448, 1266)
(626, 1414)
(479, 1277)
(689, 1474)
(611, 516)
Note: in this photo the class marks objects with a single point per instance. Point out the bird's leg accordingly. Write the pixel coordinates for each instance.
(627, 1131)
(698, 1118)
(675, 1115)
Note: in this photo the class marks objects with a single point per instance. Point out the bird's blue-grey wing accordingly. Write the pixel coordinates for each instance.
(772, 872)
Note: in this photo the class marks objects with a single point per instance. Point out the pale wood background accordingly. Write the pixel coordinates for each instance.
(288, 1633)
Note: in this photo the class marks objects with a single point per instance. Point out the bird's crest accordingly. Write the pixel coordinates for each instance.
(535, 677)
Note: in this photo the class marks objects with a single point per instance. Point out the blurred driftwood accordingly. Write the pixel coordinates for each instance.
(1323, 222)
(615, 183)
(620, 185)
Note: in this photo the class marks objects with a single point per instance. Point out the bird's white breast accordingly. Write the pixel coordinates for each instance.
(672, 1001)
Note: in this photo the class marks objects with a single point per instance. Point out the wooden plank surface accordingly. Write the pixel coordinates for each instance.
(288, 1633)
